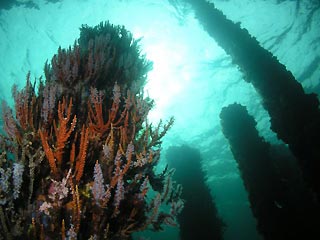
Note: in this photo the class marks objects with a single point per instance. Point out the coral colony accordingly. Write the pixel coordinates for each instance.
(78, 157)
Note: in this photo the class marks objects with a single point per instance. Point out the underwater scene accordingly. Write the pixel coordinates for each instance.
(160, 119)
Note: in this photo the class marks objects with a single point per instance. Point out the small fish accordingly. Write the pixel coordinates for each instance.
(278, 205)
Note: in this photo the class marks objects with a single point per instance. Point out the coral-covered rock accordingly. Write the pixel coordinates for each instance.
(77, 158)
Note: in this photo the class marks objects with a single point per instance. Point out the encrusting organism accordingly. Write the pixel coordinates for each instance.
(281, 202)
(78, 156)
(294, 113)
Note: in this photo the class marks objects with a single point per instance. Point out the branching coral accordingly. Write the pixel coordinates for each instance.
(79, 147)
